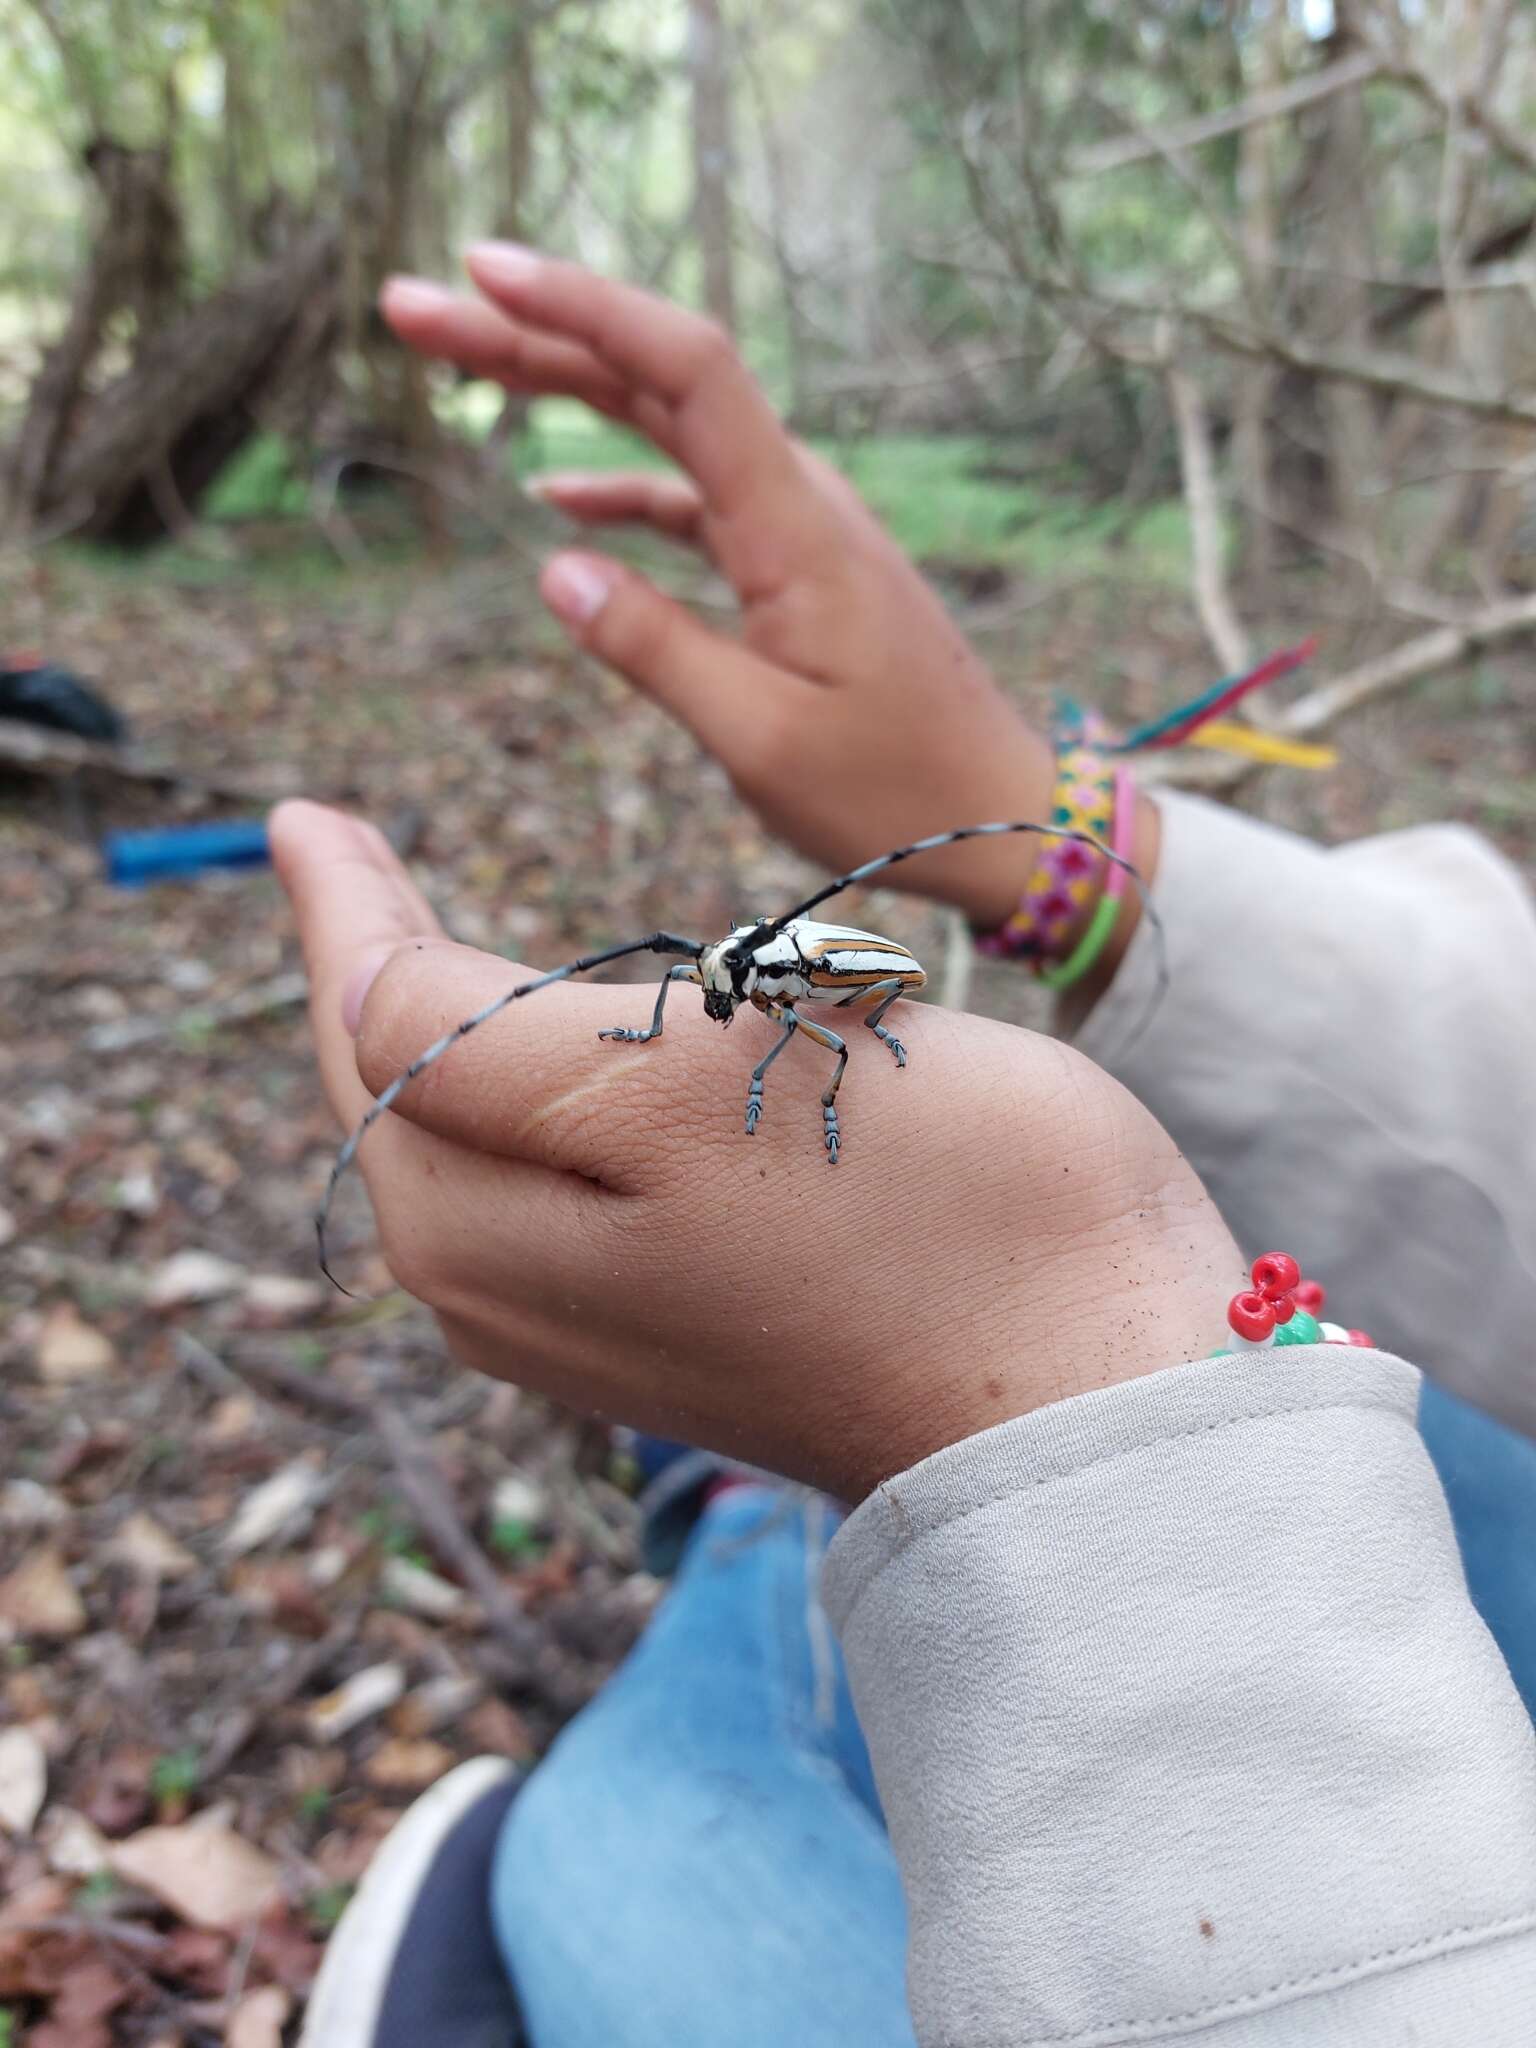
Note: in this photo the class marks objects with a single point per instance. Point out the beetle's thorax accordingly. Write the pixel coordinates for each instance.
(731, 974)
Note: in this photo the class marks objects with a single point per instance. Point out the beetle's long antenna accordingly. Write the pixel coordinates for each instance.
(871, 868)
(655, 942)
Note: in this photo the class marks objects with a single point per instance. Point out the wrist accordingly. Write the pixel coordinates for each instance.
(1136, 1293)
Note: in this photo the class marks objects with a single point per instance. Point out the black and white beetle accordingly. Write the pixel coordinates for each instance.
(776, 964)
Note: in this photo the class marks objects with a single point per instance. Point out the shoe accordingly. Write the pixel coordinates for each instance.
(413, 1962)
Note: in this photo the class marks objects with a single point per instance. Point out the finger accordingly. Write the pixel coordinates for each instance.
(533, 1083)
(727, 435)
(667, 504)
(483, 341)
(355, 904)
(728, 697)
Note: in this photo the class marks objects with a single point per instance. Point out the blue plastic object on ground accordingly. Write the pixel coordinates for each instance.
(178, 851)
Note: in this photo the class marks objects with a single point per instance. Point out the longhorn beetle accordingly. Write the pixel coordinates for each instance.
(775, 964)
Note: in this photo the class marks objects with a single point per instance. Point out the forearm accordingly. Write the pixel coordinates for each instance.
(1182, 1721)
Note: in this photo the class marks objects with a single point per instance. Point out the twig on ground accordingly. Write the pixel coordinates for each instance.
(424, 1486)
(37, 751)
(247, 1721)
(282, 992)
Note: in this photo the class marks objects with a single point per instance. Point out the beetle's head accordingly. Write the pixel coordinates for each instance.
(725, 970)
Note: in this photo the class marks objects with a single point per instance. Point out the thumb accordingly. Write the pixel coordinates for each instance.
(355, 904)
(719, 689)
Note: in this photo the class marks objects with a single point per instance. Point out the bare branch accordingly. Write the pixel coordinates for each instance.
(1198, 465)
(1372, 680)
(1264, 106)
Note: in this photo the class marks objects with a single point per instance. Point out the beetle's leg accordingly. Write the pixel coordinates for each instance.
(888, 992)
(791, 1023)
(831, 1135)
(626, 1036)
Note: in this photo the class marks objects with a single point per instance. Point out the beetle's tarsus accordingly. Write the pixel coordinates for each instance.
(623, 1035)
(754, 1105)
(889, 1038)
(830, 1132)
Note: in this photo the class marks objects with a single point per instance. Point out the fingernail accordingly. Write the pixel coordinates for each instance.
(415, 295)
(554, 481)
(361, 979)
(504, 263)
(576, 587)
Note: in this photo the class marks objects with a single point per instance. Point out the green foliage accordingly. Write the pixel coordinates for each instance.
(513, 1539)
(394, 1534)
(261, 483)
(99, 1894)
(10, 2028)
(324, 1908)
(176, 1775)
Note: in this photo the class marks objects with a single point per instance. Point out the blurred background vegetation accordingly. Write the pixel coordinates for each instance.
(1036, 269)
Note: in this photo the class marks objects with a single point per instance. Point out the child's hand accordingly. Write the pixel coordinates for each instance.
(852, 715)
(1007, 1225)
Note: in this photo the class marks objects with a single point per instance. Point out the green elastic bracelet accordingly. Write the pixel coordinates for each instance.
(1088, 947)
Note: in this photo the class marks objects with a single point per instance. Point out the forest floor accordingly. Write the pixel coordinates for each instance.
(268, 1565)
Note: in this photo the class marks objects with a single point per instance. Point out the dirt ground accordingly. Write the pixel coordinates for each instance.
(227, 1492)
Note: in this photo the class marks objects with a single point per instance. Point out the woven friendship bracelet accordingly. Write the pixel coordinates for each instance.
(1066, 876)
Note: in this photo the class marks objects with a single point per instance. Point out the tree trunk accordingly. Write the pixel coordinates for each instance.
(150, 445)
(712, 158)
(135, 263)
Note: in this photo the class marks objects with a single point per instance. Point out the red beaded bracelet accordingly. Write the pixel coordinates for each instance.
(1282, 1308)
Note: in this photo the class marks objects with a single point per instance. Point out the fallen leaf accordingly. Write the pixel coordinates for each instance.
(196, 1959)
(280, 1589)
(192, 1276)
(209, 1875)
(70, 2034)
(271, 1300)
(406, 1764)
(517, 1498)
(434, 1704)
(143, 1545)
(499, 1729)
(23, 1780)
(39, 1597)
(423, 1592)
(286, 1951)
(287, 1498)
(258, 2019)
(365, 1694)
(91, 1991)
(116, 1798)
(231, 1419)
(24, 1504)
(73, 1847)
(69, 1350)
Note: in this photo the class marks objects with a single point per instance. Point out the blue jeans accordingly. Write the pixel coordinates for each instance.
(701, 1858)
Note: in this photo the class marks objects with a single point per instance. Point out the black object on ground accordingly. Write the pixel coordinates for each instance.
(47, 695)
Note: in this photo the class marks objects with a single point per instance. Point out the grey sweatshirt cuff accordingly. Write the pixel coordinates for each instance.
(1181, 1718)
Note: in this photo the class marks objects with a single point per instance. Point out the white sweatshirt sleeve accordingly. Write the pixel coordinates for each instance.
(1347, 1055)
(1185, 1728)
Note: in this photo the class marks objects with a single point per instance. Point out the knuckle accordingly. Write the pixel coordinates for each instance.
(780, 750)
(712, 348)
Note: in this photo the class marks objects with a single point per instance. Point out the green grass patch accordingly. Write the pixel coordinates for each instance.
(952, 499)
